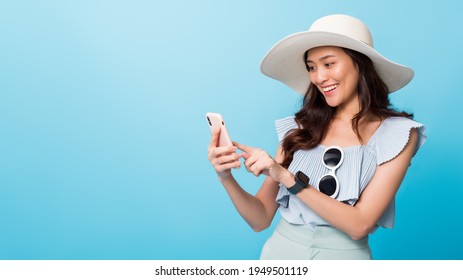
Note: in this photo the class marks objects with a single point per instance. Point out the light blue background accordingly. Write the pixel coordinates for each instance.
(103, 144)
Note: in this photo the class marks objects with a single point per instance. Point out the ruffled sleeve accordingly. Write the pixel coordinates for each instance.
(283, 126)
(392, 137)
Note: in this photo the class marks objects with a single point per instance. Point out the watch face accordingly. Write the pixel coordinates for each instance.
(301, 176)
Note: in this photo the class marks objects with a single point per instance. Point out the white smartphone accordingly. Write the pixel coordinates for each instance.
(215, 120)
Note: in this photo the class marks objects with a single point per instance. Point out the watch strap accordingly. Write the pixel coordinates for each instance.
(302, 181)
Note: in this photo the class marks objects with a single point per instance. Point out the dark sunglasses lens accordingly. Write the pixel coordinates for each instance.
(332, 157)
(327, 185)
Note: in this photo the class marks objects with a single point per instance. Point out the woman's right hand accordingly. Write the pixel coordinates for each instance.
(223, 159)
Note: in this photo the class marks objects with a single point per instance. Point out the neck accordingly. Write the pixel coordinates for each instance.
(347, 112)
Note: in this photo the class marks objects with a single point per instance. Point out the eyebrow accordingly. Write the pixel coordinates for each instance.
(321, 58)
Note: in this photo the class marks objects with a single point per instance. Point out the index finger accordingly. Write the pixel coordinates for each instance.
(243, 148)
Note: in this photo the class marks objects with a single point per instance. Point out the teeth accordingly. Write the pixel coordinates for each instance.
(330, 88)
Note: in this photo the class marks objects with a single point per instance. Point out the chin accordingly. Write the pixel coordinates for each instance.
(331, 102)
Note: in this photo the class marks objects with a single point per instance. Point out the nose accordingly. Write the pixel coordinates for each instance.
(321, 76)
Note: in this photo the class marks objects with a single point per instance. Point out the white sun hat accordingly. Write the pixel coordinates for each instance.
(285, 60)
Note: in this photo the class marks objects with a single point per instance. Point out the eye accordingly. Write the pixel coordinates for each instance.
(311, 68)
(329, 64)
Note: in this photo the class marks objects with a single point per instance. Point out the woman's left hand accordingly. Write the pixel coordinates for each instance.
(258, 161)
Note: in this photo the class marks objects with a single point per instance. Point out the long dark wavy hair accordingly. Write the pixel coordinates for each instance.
(315, 115)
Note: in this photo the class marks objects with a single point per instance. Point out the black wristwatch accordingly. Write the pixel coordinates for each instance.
(302, 181)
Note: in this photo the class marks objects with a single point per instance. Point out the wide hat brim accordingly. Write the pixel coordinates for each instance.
(285, 60)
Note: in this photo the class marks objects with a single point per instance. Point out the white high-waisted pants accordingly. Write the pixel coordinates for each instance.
(290, 241)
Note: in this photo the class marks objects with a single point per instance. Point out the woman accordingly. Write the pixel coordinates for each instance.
(341, 158)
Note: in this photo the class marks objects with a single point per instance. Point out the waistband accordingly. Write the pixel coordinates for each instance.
(321, 236)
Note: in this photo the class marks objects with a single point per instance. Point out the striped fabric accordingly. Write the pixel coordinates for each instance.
(354, 174)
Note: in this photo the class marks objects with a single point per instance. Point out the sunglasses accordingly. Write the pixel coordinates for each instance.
(332, 159)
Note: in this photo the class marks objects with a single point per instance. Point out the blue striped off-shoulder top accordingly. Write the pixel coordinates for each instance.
(354, 174)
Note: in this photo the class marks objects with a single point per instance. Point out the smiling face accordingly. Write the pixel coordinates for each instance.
(335, 75)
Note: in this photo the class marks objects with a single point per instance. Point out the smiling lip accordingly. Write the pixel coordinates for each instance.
(329, 89)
